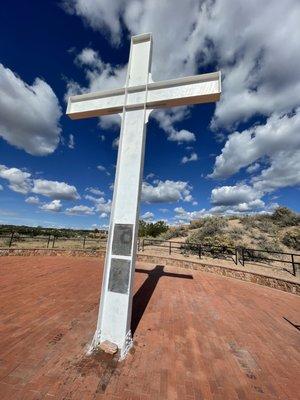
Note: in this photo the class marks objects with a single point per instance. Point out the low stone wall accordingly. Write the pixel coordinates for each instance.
(260, 279)
(52, 252)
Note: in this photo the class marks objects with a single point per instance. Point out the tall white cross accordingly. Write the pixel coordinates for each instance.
(134, 102)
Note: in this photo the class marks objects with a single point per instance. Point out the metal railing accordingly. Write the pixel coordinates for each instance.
(237, 254)
(50, 241)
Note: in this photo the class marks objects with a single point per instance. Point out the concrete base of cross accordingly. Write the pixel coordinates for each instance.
(106, 345)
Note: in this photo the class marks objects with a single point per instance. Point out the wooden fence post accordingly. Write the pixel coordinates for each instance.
(170, 247)
(200, 251)
(84, 242)
(236, 256)
(11, 239)
(49, 238)
(293, 264)
(54, 237)
(243, 256)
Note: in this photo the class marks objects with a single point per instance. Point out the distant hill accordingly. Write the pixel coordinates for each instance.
(41, 231)
(279, 231)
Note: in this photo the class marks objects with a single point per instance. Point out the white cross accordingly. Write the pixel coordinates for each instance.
(135, 102)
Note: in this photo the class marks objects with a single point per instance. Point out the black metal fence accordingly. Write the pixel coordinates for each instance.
(51, 241)
(236, 254)
(240, 255)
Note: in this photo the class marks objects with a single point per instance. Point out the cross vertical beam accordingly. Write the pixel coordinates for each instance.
(116, 301)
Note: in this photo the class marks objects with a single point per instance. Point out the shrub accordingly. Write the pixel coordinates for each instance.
(292, 239)
(174, 232)
(212, 229)
(269, 244)
(152, 229)
(197, 223)
(267, 225)
(283, 216)
(249, 222)
(209, 223)
(214, 240)
(237, 233)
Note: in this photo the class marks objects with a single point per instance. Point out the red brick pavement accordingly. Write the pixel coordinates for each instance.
(197, 335)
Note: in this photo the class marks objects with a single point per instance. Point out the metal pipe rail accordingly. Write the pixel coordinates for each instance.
(241, 254)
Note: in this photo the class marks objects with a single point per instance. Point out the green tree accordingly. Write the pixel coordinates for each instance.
(152, 229)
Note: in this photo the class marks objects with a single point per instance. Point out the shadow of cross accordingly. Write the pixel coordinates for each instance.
(144, 293)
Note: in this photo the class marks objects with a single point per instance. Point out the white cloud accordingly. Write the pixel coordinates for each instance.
(250, 207)
(254, 206)
(19, 181)
(181, 136)
(102, 168)
(284, 171)
(29, 115)
(166, 120)
(53, 206)
(101, 205)
(115, 143)
(260, 61)
(243, 148)
(71, 143)
(236, 199)
(150, 176)
(253, 168)
(80, 210)
(233, 195)
(166, 191)
(95, 191)
(192, 157)
(54, 189)
(147, 216)
(98, 14)
(32, 200)
(22, 182)
(183, 216)
(89, 57)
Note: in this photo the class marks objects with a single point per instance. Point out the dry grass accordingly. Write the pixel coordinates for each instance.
(42, 243)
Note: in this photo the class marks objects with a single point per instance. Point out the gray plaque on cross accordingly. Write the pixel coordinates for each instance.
(119, 276)
(122, 240)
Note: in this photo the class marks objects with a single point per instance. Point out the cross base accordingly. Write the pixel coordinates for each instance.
(123, 349)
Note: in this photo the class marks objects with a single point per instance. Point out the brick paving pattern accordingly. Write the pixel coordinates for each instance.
(196, 335)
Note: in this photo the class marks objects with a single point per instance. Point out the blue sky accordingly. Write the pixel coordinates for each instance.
(239, 156)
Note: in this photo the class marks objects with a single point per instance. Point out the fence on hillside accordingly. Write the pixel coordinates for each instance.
(236, 254)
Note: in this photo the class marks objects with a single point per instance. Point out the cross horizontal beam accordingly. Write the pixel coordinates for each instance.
(204, 88)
